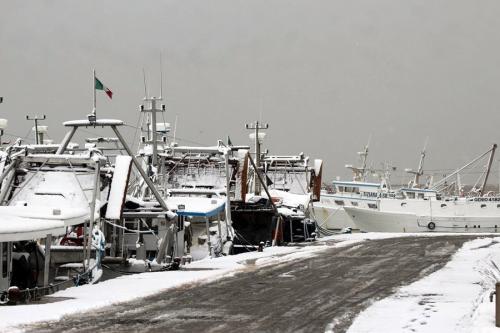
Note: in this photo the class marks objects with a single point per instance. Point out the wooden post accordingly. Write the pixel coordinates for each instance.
(48, 241)
(497, 305)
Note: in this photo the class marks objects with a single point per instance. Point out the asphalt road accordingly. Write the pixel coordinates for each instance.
(309, 295)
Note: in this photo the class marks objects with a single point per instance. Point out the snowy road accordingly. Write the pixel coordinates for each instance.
(301, 296)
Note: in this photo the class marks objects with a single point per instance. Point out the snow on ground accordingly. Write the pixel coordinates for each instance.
(456, 285)
(128, 287)
(453, 299)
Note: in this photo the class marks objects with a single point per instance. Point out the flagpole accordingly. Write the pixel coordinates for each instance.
(93, 85)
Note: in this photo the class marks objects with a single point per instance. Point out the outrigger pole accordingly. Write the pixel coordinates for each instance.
(491, 150)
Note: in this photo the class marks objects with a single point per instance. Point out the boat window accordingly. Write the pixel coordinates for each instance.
(339, 202)
(420, 195)
(341, 189)
(4, 260)
(443, 205)
(403, 204)
(372, 206)
(498, 205)
(483, 205)
(410, 195)
(354, 203)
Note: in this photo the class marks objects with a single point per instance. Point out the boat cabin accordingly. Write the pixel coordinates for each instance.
(417, 193)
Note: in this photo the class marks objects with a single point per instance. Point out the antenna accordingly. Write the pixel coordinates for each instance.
(38, 134)
(175, 128)
(261, 108)
(161, 77)
(145, 85)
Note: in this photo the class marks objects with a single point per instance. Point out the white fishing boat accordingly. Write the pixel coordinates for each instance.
(329, 210)
(192, 181)
(44, 194)
(425, 210)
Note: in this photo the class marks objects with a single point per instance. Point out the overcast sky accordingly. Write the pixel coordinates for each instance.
(325, 75)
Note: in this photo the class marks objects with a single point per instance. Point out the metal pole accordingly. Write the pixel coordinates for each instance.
(209, 243)
(66, 140)
(6, 185)
(228, 199)
(93, 86)
(92, 208)
(36, 119)
(218, 225)
(257, 158)
(48, 241)
(265, 187)
(490, 161)
(141, 171)
(153, 125)
(36, 131)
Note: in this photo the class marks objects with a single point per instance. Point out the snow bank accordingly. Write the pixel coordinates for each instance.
(453, 299)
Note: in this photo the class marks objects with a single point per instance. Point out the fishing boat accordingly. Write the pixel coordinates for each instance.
(329, 210)
(191, 180)
(430, 210)
(46, 193)
(273, 202)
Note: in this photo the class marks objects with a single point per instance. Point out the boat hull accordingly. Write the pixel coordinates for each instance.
(371, 220)
(333, 218)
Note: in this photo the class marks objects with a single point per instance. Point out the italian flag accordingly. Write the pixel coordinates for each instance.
(99, 86)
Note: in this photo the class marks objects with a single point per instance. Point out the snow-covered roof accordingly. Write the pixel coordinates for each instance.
(98, 122)
(15, 228)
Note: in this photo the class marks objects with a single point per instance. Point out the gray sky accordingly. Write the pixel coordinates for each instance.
(329, 73)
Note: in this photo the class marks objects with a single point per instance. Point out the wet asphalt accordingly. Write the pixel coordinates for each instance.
(309, 295)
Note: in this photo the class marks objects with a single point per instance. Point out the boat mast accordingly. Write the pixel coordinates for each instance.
(420, 169)
(259, 137)
(359, 173)
(490, 161)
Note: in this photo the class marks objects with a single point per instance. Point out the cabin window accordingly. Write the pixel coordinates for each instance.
(410, 195)
(341, 189)
(339, 202)
(498, 205)
(372, 206)
(483, 205)
(403, 204)
(420, 195)
(4, 260)
(354, 203)
(443, 205)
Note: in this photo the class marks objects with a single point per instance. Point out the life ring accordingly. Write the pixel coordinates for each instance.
(431, 225)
